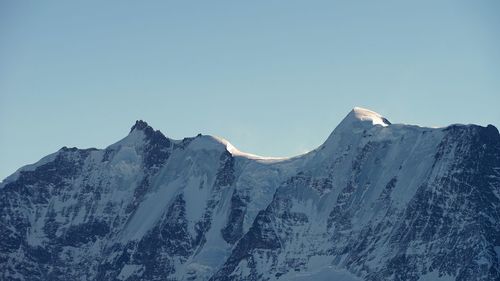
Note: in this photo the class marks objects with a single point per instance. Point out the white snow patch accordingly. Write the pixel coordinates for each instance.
(129, 270)
(195, 195)
(363, 114)
(206, 143)
(218, 143)
(150, 211)
(135, 138)
(196, 271)
(235, 152)
(434, 276)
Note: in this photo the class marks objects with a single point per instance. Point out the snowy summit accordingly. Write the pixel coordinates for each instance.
(366, 115)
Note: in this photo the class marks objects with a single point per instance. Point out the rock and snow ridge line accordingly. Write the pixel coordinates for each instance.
(358, 116)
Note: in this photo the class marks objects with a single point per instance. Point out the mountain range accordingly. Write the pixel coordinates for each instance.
(376, 201)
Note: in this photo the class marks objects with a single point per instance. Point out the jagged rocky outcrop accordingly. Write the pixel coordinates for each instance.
(377, 201)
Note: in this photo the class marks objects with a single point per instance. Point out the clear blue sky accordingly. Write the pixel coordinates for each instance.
(273, 77)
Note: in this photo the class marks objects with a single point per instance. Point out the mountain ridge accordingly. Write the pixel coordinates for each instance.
(376, 201)
(362, 113)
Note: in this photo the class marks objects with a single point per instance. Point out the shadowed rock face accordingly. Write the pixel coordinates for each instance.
(377, 201)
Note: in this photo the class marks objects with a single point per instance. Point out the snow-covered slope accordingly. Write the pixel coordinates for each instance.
(376, 201)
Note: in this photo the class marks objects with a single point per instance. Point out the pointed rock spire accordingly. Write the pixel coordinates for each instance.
(140, 125)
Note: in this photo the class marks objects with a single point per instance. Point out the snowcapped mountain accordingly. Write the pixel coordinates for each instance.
(376, 201)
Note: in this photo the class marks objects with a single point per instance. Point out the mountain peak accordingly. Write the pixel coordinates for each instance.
(140, 125)
(365, 115)
(358, 120)
(152, 135)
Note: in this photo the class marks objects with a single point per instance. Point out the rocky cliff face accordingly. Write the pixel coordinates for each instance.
(377, 201)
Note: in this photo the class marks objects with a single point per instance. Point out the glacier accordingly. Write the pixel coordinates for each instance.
(376, 201)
